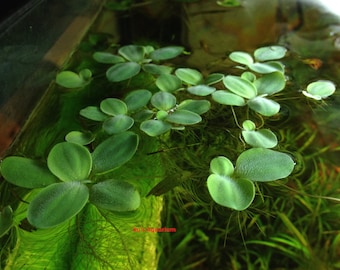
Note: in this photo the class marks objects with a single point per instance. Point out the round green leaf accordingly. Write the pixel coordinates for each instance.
(241, 58)
(113, 106)
(221, 166)
(196, 106)
(250, 76)
(163, 101)
(168, 82)
(114, 151)
(137, 99)
(143, 115)
(161, 115)
(57, 203)
(133, 53)
(264, 106)
(26, 173)
(248, 125)
(240, 86)
(261, 164)
(184, 117)
(157, 69)
(118, 124)
(69, 161)
(107, 58)
(166, 53)
(321, 89)
(93, 113)
(82, 138)
(270, 83)
(122, 71)
(70, 79)
(201, 90)
(115, 195)
(270, 53)
(189, 76)
(235, 194)
(227, 98)
(261, 138)
(268, 67)
(6, 220)
(155, 127)
(213, 78)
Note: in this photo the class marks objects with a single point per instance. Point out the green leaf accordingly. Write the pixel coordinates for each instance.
(184, 117)
(163, 101)
(268, 67)
(270, 53)
(196, 106)
(241, 58)
(137, 99)
(320, 89)
(143, 115)
(236, 194)
(57, 203)
(270, 83)
(264, 106)
(189, 76)
(166, 53)
(227, 98)
(113, 106)
(155, 127)
(261, 164)
(69, 161)
(93, 113)
(240, 86)
(70, 79)
(261, 138)
(201, 90)
(107, 58)
(114, 152)
(26, 173)
(6, 220)
(133, 53)
(117, 124)
(82, 138)
(115, 195)
(122, 71)
(249, 76)
(157, 69)
(168, 83)
(221, 166)
(248, 125)
(213, 78)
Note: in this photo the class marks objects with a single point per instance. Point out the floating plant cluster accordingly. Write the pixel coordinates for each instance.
(71, 174)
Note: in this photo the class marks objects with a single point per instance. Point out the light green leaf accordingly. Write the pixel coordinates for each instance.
(270, 53)
(137, 99)
(57, 203)
(122, 71)
(157, 69)
(184, 117)
(113, 106)
(155, 127)
(168, 82)
(261, 138)
(241, 58)
(227, 98)
(166, 53)
(240, 86)
(161, 115)
(248, 125)
(213, 78)
(26, 173)
(249, 76)
(133, 53)
(320, 89)
(117, 124)
(69, 161)
(114, 152)
(93, 113)
(189, 76)
(70, 79)
(236, 194)
(163, 101)
(261, 164)
(201, 90)
(82, 138)
(221, 166)
(115, 195)
(268, 67)
(270, 83)
(264, 106)
(6, 220)
(107, 58)
(196, 106)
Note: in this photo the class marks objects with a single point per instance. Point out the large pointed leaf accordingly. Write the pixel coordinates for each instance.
(115, 195)
(69, 161)
(155, 127)
(240, 86)
(114, 151)
(27, 173)
(236, 194)
(264, 106)
(261, 164)
(57, 203)
(122, 71)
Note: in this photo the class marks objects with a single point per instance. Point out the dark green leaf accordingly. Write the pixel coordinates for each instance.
(184, 117)
(118, 124)
(122, 71)
(155, 127)
(6, 220)
(137, 99)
